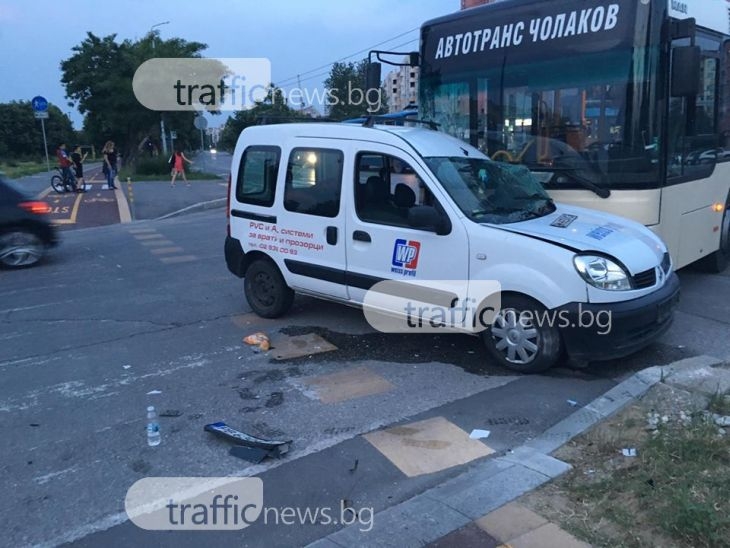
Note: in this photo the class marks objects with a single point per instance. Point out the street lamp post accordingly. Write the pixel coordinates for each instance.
(162, 120)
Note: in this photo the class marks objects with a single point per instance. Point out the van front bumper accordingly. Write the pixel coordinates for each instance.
(605, 331)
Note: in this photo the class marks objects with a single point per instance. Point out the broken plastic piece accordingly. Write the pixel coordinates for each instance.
(258, 339)
(251, 454)
(154, 392)
(477, 434)
(170, 413)
(278, 447)
(572, 403)
(628, 452)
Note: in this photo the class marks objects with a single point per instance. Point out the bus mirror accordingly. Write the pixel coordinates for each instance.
(372, 76)
(686, 71)
(415, 59)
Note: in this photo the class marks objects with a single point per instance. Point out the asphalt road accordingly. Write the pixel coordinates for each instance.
(120, 313)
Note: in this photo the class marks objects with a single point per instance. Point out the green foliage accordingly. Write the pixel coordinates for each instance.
(272, 109)
(347, 88)
(98, 78)
(153, 166)
(21, 137)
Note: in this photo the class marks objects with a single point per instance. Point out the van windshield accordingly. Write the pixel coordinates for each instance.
(491, 192)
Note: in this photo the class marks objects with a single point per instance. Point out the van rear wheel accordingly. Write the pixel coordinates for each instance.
(520, 337)
(266, 291)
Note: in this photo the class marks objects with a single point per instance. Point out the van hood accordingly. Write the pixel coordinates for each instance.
(585, 230)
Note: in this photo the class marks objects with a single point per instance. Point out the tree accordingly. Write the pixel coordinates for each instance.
(20, 133)
(272, 109)
(98, 79)
(348, 96)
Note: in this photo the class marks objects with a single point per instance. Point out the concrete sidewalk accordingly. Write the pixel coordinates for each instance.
(476, 508)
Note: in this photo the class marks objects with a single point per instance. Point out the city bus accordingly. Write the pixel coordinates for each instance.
(620, 105)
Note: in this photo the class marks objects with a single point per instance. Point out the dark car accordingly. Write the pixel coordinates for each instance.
(26, 231)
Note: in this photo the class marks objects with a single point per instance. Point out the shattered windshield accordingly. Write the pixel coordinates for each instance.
(491, 192)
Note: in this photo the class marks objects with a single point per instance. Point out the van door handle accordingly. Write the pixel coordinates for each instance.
(361, 236)
(332, 235)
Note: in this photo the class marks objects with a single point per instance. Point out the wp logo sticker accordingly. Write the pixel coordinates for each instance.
(405, 257)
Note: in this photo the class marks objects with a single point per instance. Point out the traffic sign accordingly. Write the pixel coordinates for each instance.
(39, 104)
(173, 135)
(200, 122)
(42, 114)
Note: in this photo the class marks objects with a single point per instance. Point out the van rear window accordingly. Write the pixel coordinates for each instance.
(257, 173)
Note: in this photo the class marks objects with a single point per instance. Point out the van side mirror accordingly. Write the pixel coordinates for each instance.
(429, 218)
(372, 76)
(686, 71)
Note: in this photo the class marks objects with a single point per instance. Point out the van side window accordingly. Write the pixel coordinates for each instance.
(313, 181)
(386, 187)
(256, 182)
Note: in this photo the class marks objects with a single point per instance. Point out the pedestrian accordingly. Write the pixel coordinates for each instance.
(64, 162)
(78, 162)
(178, 166)
(110, 163)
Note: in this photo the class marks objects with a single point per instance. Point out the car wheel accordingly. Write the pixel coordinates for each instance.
(266, 291)
(20, 248)
(519, 337)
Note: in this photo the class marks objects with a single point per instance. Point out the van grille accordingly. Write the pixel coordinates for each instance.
(645, 279)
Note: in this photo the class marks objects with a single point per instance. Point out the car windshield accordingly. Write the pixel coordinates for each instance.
(491, 192)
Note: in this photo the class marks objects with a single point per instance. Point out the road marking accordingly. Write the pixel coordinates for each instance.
(141, 230)
(151, 236)
(157, 242)
(178, 259)
(74, 212)
(427, 446)
(165, 250)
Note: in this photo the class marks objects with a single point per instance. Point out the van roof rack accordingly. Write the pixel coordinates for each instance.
(370, 121)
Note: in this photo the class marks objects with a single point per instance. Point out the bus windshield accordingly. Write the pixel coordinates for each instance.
(576, 110)
(491, 192)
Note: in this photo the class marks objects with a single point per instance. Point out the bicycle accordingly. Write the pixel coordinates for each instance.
(63, 184)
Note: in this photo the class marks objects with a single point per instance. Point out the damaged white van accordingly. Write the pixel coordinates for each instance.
(336, 210)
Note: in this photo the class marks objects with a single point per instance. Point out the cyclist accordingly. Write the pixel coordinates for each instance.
(64, 162)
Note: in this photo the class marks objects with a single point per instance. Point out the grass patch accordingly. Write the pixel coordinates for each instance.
(675, 492)
(719, 403)
(17, 169)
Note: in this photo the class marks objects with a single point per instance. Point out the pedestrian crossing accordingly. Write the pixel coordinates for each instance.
(160, 248)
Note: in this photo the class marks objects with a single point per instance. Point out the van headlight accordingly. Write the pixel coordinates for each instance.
(602, 273)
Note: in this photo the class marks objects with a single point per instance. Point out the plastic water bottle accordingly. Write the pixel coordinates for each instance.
(153, 427)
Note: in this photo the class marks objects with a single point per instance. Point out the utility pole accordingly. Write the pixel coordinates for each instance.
(162, 119)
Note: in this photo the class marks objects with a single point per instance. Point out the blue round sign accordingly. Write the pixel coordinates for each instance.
(39, 103)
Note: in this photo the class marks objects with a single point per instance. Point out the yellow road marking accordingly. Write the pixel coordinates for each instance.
(74, 212)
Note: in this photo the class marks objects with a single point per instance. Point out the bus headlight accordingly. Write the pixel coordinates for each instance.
(602, 273)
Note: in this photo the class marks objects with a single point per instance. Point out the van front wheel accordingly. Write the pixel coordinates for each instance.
(266, 291)
(520, 337)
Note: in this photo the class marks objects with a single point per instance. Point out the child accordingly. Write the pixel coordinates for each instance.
(78, 162)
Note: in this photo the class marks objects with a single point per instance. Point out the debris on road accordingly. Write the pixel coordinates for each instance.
(261, 340)
(354, 466)
(628, 452)
(297, 346)
(272, 448)
(477, 434)
(154, 392)
(126, 366)
(572, 403)
(170, 413)
(251, 454)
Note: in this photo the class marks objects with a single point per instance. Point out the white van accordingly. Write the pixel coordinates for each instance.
(333, 210)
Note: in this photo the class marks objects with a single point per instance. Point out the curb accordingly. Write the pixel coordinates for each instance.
(200, 206)
(495, 482)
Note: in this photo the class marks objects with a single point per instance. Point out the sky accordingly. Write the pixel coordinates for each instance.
(297, 37)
